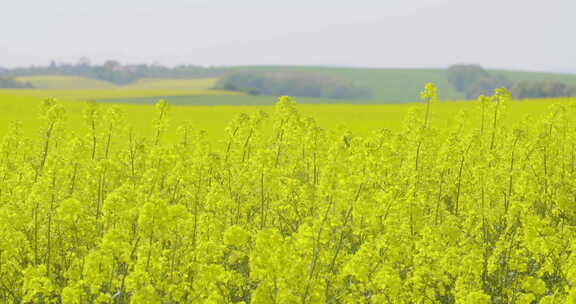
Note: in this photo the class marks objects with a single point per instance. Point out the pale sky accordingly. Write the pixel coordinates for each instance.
(511, 34)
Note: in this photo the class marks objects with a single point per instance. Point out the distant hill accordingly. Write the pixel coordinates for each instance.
(83, 83)
(404, 85)
(387, 85)
(569, 79)
(65, 82)
(9, 83)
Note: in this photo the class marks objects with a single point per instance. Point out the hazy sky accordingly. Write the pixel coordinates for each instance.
(513, 34)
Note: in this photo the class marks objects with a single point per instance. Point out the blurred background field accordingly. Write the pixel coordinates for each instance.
(65, 82)
(363, 100)
(362, 119)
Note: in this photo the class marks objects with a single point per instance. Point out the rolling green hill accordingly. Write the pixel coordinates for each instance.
(387, 85)
(569, 79)
(403, 85)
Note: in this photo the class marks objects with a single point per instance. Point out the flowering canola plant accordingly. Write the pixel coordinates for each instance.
(482, 213)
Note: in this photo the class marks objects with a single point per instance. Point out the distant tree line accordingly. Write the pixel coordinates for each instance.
(473, 80)
(9, 83)
(542, 89)
(292, 83)
(114, 72)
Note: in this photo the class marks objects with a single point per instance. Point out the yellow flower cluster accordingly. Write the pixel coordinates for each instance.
(471, 213)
